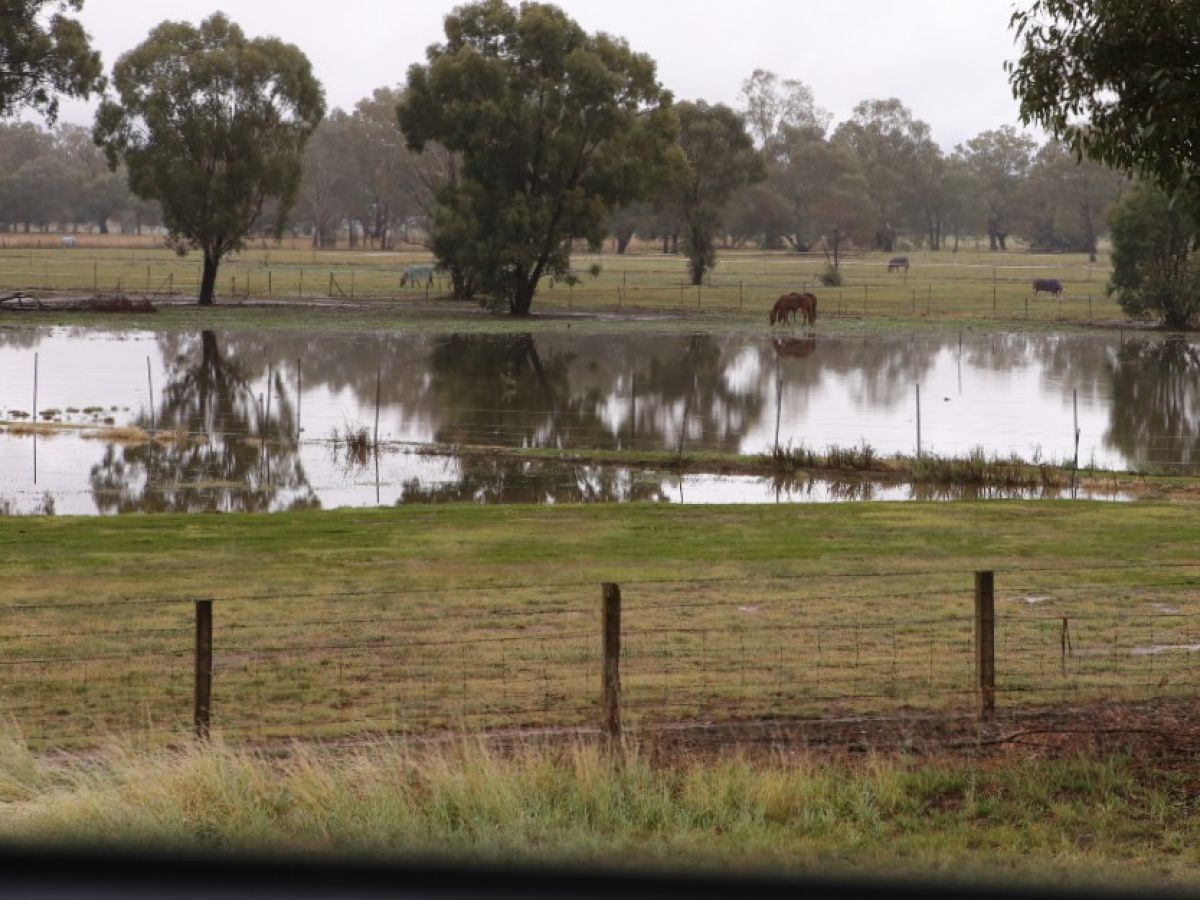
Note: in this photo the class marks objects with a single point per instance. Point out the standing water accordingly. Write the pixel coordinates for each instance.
(259, 421)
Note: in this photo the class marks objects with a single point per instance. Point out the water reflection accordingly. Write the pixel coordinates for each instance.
(517, 481)
(1156, 402)
(242, 420)
(214, 444)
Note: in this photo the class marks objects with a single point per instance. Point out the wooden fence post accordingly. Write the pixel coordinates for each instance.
(610, 673)
(985, 642)
(203, 689)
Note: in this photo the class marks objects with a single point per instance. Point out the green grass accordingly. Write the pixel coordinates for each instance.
(462, 617)
(941, 290)
(1076, 820)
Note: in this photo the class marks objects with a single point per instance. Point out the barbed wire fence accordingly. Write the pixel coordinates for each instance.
(420, 661)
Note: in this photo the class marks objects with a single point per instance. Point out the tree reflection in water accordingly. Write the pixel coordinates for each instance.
(521, 481)
(215, 449)
(597, 392)
(1155, 413)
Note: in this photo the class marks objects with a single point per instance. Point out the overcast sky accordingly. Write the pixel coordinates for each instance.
(942, 58)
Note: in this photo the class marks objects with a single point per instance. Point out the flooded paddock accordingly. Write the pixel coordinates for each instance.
(142, 421)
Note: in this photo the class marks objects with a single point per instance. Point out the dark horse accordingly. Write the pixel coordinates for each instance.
(898, 262)
(787, 305)
(1051, 286)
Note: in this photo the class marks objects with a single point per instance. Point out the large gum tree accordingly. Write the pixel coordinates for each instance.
(211, 124)
(44, 53)
(555, 127)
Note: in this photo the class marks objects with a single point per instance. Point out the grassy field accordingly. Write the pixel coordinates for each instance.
(1089, 820)
(427, 618)
(940, 286)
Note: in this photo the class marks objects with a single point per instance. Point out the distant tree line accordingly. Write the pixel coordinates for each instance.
(57, 177)
(879, 180)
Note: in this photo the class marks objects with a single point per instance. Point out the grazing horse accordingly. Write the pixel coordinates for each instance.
(898, 262)
(417, 274)
(1051, 286)
(787, 305)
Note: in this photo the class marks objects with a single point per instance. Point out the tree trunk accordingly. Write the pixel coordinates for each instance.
(522, 300)
(208, 280)
(103, 222)
(623, 243)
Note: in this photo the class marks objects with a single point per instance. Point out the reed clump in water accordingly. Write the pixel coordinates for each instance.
(977, 468)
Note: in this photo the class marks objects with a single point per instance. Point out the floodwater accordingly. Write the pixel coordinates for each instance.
(255, 412)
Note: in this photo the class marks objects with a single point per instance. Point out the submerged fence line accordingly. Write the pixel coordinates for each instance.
(259, 665)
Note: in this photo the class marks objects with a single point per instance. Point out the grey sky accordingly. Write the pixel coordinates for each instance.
(943, 58)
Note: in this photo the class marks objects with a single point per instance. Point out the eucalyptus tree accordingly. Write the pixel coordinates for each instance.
(211, 124)
(999, 160)
(99, 194)
(20, 143)
(1068, 199)
(379, 166)
(325, 183)
(1155, 263)
(886, 140)
(771, 106)
(555, 128)
(720, 158)
(44, 53)
(1115, 79)
(803, 169)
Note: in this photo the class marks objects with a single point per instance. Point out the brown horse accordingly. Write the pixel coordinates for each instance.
(787, 305)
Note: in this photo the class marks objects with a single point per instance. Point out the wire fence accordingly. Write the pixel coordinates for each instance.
(937, 285)
(422, 660)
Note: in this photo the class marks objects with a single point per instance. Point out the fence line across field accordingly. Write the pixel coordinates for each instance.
(640, 662)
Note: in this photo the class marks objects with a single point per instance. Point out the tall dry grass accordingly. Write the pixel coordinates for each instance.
(1072, 819)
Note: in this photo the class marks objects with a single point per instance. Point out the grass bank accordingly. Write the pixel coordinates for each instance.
(1080, 819)
(427, 618)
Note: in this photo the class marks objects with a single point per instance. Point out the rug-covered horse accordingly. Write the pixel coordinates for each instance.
(789, 304)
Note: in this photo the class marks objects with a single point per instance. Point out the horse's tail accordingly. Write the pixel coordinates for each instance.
(814, 308)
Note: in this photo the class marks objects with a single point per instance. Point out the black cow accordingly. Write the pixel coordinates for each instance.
(1048, 285)
(898, 262)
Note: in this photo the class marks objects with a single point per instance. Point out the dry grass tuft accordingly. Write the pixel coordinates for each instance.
(127, 435)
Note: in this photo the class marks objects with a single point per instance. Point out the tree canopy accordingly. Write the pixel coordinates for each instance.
(720, 158)
(1117, 80)
(44, 53)
(1155, 269)
(211, 124)
(556, 128)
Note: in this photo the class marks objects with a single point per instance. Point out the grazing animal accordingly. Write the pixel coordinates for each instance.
(1049, 285)
(898, 262)
(416, 275)
(787, 305)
